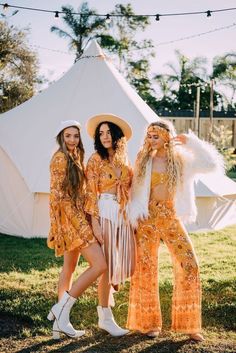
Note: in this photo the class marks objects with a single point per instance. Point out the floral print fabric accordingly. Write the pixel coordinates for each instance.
(144, 306)
(69, 227)
(101, 178)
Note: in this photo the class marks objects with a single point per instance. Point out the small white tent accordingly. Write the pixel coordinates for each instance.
(92, 86)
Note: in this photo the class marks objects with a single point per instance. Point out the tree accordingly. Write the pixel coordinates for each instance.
(81, 27)
(183, 83)
(18, 67)
(222, 138)
(224, 74)
(124, 26)
(138, 78)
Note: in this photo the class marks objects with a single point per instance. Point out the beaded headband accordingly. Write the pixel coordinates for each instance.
(163, 133)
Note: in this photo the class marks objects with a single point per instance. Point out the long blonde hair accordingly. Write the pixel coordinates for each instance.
(174, 159)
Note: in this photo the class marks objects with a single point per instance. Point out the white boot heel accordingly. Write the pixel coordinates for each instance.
(55, 331)
(51, 316)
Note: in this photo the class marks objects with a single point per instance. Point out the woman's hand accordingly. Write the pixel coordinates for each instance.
(97, 231)
(180, 139)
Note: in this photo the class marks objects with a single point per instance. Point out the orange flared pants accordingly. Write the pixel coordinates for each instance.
(144, 313)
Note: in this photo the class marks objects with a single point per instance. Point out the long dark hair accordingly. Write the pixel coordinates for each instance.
(116, 134)
(74, 178)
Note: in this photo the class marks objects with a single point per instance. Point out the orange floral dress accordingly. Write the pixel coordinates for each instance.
(69, 228)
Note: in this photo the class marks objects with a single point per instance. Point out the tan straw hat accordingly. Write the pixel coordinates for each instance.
(93, 122)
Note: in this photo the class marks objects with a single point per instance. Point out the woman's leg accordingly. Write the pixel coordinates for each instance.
(61, 310)
(97, 265)
(105, 317)
(144, 312)
(186, 302)
(104, 286)
(65, 279)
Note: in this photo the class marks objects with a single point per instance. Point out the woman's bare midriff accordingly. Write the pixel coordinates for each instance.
(160, 193)
(111, 191)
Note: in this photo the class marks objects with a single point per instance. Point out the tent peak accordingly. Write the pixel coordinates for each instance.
(93, 49)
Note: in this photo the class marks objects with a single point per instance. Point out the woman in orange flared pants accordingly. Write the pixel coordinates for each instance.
(162, 196)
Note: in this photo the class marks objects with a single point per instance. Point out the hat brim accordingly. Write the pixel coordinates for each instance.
(65, 124)
(94, 121)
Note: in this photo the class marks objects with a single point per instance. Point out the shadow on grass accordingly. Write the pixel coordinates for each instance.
(11, 326)
(31, 309)
(219, 304)
(101, 342)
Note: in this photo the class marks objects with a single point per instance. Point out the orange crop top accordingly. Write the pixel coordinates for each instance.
(101, 178)
(158, 178)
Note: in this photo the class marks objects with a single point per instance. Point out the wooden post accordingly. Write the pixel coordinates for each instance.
(197, 116)
(211, 107)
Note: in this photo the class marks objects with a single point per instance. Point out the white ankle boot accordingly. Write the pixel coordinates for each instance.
(106, 322)
(61, 312)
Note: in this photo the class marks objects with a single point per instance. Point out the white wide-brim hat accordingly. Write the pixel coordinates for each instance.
(67, 123)
(94, 121)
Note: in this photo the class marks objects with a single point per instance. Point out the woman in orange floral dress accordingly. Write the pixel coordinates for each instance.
(162, 197)
(109, 180)
(70, 233)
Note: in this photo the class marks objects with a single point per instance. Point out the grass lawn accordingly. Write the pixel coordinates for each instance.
(28, 282)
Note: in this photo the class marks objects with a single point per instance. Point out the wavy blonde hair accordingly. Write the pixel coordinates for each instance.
(174, 159)
(120, 156)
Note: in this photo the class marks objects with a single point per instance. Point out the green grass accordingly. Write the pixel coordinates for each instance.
(29, 274)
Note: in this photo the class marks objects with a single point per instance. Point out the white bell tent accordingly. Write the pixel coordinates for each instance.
(92, 86)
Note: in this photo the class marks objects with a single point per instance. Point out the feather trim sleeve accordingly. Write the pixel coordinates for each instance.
(204, 156)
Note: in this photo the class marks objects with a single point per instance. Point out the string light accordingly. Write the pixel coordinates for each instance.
(5, 6)
(208, 13)
(195, 84)
(156, 16)
(108, 18)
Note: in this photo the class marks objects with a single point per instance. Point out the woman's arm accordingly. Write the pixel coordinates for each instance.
(92, 176)
(204, 156)
(91, 199)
